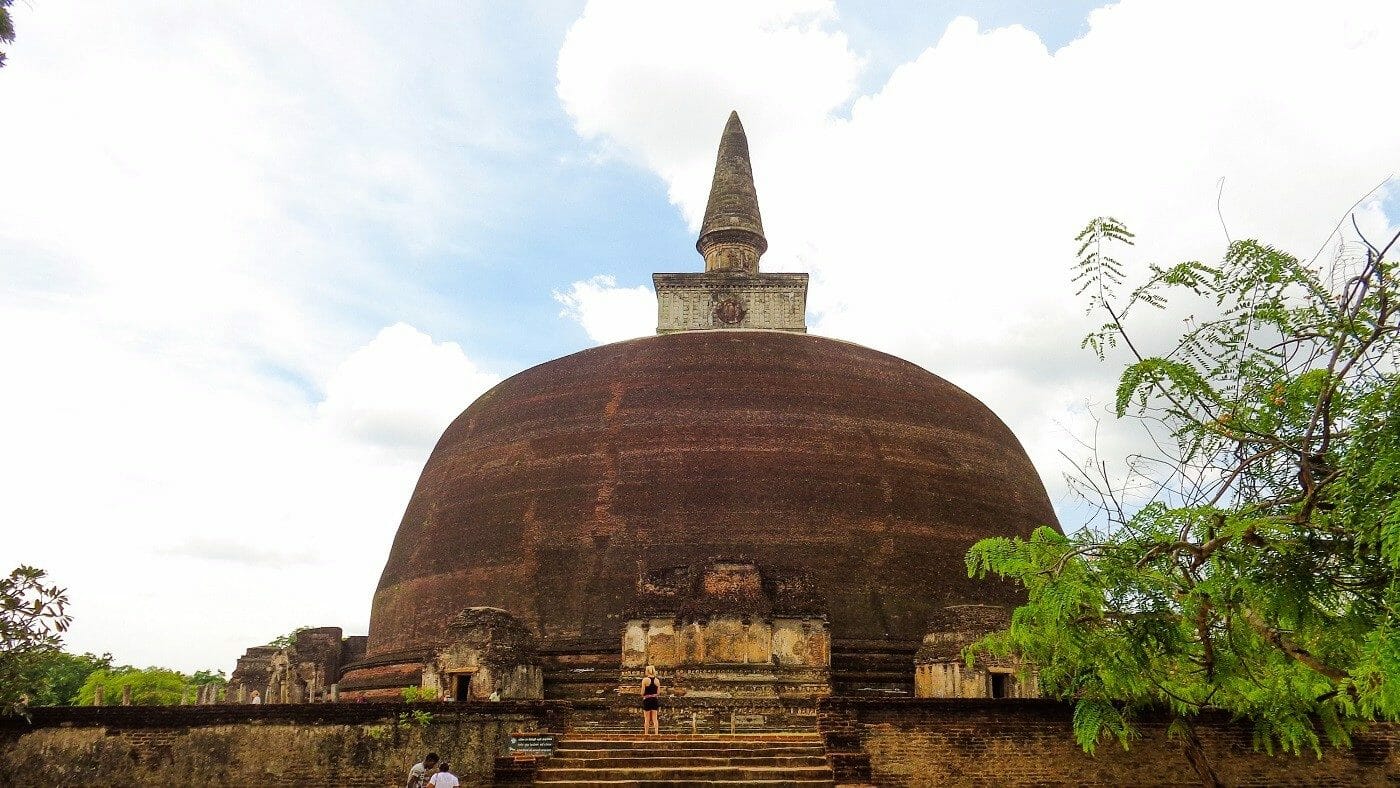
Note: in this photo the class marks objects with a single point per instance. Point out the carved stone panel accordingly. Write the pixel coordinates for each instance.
(699, 302)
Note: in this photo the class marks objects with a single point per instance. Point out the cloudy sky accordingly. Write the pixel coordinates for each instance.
(254, 257)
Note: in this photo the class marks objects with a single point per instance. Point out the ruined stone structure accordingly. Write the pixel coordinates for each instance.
(757, 511)
(304, 671)
(941, 669)
(728, 629)
(487, 654)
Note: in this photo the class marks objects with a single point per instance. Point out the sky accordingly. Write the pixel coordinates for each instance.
(255, 257)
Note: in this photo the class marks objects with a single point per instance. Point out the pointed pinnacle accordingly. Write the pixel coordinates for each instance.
(731, 236)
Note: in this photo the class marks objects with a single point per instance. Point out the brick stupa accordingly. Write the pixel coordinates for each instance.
(733, 498)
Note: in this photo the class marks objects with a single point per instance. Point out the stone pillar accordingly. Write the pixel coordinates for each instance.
(98, 694)
(335, 693)
(126, 694)
(296, 694)
(242, 694)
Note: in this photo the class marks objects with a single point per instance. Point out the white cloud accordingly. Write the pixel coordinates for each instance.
(673, 69)
(197, 200)
(936, 216)
(609, 313)
(184, 497)
(170, 495)
(234, 551)
(401, 390)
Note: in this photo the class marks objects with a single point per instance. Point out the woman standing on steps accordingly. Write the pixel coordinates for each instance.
(651, 702)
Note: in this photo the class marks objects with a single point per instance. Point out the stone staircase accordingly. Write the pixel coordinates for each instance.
(881, 669)
(618, 758)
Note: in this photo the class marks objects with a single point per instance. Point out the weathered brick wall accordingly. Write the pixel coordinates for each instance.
(1028, 742)
(349, 744)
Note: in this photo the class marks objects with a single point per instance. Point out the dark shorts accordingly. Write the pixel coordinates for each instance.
(651, 703)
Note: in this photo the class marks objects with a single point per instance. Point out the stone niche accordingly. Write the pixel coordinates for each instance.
(302, 672)
(940, 670)
(486, 654)
(728, 629)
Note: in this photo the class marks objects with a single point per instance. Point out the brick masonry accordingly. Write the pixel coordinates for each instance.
(556, 489)
(886, 741)
(920, 742)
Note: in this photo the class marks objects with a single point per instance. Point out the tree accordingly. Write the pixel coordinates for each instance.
(60, 676)
(287, 640)
(7, 27)
(1249, 562)
(33, 617)
(153, 686)
(149, 687)
(202, 677)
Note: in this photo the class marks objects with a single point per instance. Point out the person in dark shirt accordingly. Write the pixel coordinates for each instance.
(651, 702)
(420, 773)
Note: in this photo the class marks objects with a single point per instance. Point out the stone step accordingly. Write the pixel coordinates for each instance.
(667, 746)
(690, 773)
(660, 742)
(803, 751)
(745, 738)
(630, 760)
(645, 752)
(684, 783)
(862, 670)
(636, 729)
(625, 758)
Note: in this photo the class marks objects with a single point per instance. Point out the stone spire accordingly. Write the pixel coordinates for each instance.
(731, 237)
(731, 294)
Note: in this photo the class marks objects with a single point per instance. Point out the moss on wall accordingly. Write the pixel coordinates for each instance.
(270, 746)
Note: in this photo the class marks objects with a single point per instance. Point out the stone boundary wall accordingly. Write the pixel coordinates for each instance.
(343, 744)
(926, 742)
(887, 741)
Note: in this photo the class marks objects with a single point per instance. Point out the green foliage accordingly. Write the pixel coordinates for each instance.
(7, 26)
(289, 639)
(1259, 575)
(405, 719)
(201, 677)
(416, 694)
(33, 617)
(151, 686)
(61, 675)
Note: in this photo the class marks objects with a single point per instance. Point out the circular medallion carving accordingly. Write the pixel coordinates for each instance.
(729, 311)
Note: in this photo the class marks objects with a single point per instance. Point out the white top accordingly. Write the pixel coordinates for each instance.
(444, 780)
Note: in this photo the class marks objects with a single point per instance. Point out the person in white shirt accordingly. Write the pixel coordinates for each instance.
(444, 778)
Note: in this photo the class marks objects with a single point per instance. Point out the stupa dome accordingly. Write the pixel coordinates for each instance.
(807, 479)
(553, 491)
